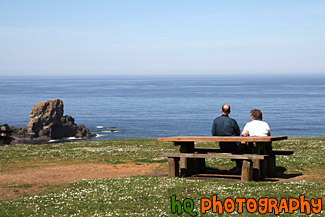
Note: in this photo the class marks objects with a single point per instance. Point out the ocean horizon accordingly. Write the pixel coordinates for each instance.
(119, 107)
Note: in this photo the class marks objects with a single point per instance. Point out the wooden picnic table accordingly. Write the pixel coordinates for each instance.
(195, 157)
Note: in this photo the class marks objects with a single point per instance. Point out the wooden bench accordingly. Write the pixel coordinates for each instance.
(247, 172)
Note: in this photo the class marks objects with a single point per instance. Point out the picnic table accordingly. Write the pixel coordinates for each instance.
(257, 165)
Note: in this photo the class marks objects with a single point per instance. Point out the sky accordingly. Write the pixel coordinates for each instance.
(161, 37)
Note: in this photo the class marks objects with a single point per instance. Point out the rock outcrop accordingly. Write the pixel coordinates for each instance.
(46, 122)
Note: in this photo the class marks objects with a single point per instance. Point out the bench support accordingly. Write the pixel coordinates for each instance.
(173, 167)
(247, 171)
(271, 161)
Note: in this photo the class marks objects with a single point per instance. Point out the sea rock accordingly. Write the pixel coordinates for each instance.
(44, 117)
(46, 122)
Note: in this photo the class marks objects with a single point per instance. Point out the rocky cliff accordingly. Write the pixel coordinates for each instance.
(46, 122)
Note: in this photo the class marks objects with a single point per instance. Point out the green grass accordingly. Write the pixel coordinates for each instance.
(150, 196)
(308, 153)
(109, 151)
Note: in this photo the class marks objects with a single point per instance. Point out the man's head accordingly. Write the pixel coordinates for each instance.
(256, 114)
(225, 110)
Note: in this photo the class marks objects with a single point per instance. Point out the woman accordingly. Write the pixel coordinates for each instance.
(257, 127)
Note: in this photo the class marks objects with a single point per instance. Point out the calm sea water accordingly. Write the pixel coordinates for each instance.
(158, 107)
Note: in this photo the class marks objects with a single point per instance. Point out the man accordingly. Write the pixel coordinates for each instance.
(226, 126)
(257, 127)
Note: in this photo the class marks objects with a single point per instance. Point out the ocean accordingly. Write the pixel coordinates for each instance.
(151, 107)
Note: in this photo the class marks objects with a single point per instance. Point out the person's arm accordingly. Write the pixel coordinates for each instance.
(213, 131)
(237, 130)
(245, 133)
(269, 130)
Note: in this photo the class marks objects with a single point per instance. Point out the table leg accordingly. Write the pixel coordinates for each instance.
(256, 170)
(260, 167)
(271, 166)
(187, 147)
(200, 163)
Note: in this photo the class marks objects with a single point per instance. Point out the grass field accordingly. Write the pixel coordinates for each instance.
(150, 195)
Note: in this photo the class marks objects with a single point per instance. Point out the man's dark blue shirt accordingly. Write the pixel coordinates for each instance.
(225, 126)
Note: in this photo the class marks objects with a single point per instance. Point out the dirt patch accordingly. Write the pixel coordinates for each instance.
(34, 180)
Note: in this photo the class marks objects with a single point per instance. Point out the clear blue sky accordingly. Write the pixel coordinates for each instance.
(161, 37)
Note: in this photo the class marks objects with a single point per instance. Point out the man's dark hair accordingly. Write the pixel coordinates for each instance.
(226, 108)
(256, 114)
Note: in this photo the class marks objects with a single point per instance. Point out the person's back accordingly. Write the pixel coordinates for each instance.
(225, 126)
(257, 127)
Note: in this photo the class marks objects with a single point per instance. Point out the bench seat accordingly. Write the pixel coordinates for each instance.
(270, 164)
(217, 150)
(220, 156)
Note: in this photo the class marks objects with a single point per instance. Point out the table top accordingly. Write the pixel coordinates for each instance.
(222, 138)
